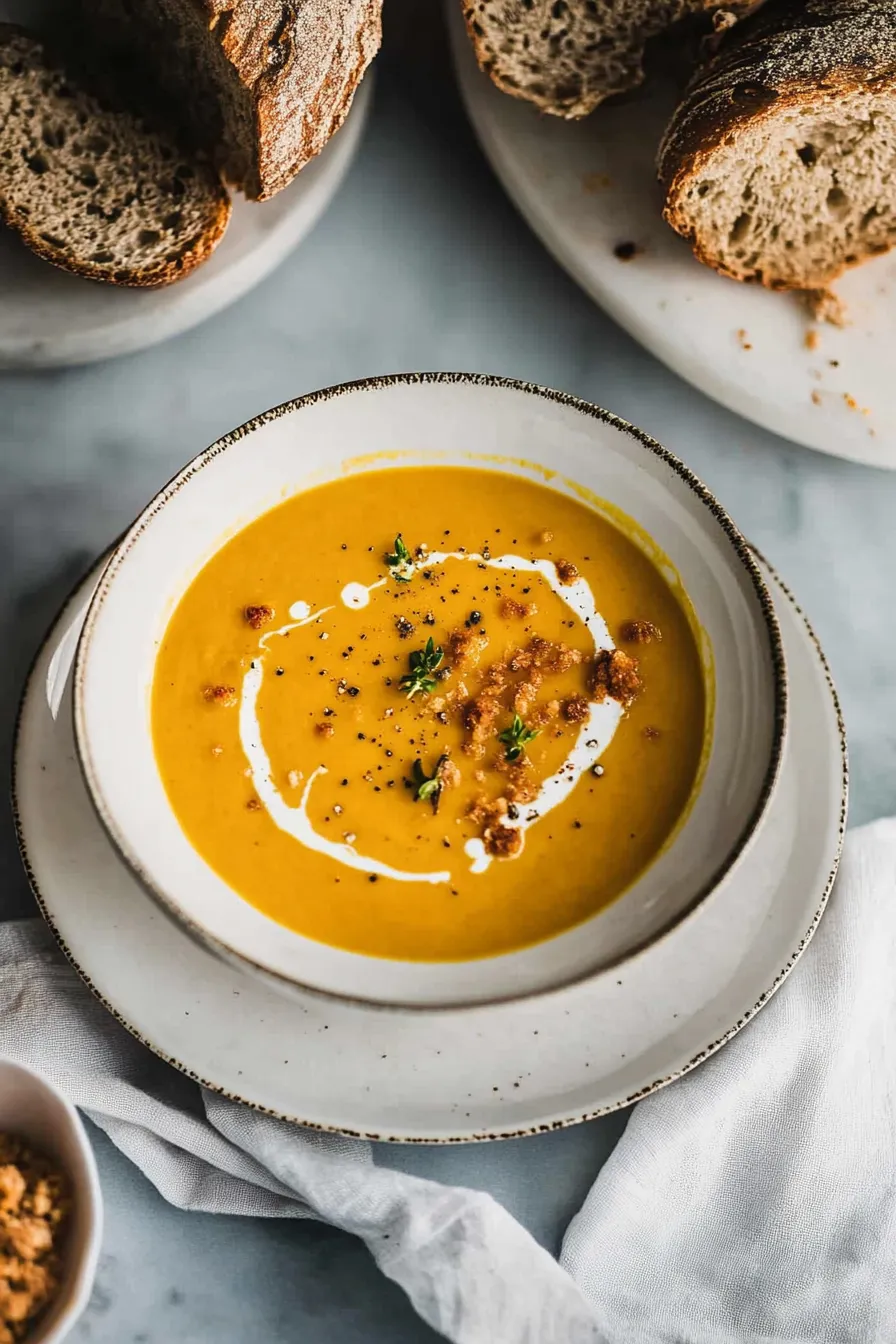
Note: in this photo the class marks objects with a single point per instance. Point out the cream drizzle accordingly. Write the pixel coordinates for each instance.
(593, 738)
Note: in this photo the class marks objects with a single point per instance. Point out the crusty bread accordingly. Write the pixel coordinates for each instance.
(92, 189)
(567, 56)
(262, 83)
(779, 165)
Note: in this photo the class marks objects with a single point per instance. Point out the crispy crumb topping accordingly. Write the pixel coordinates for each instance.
(502, 842)
(614, 673)
(575, 709)
(640, 632)
(512, 610)
(567, 572)
(258, 616)
(465, 647)
(34, 1206)
(225, 696)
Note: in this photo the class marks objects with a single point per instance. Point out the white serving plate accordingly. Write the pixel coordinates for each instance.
(395, 422)
(586, 186)
(49, 318)
(450, 1076)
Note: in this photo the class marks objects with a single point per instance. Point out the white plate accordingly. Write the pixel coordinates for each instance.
(479, 1073)
(50, 318)
(695, 321)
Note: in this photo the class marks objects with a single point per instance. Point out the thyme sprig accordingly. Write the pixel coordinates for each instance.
(400, 562)
(423, 662)
(516, 738)
(428, 788)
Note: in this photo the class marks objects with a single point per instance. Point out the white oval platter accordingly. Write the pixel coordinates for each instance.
(443, 1076)
(586, 187)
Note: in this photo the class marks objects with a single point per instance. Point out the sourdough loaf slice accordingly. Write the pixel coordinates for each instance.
(91, 189)
(263, 84)
(779, 165)
(567, 56)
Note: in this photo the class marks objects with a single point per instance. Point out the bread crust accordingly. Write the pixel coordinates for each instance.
(785, 55)
(300, 62)
(151, 277)
(148, 277)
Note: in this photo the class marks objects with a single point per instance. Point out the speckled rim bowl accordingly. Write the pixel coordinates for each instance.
(33, 1109)
(385, 424)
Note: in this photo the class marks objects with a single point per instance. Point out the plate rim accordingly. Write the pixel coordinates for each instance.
(483, 1136)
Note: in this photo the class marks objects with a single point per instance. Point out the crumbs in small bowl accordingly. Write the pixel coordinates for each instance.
(34, 1206)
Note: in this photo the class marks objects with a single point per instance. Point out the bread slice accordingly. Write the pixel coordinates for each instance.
(779, 165)
(567, 56)
(262, 83)
(91, 189)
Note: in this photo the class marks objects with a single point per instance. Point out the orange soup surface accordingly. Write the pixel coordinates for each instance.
(430, 713)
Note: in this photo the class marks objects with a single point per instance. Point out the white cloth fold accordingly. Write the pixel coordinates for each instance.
(753, 1200)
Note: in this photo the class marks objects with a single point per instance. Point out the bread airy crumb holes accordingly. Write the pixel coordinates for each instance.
(837, 201)
(740, 228)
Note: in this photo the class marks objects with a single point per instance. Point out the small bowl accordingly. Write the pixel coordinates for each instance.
(32, 1109)
(386, 424)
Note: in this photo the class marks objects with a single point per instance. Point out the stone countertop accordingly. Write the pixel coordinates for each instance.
(420, 263)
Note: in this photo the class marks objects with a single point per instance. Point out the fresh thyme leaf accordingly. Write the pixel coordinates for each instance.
(423, 662)
(516, 738)
(428, 788)
(400, 562)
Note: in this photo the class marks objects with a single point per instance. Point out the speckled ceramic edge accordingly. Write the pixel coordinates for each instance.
(563, 1123)
(732, 534)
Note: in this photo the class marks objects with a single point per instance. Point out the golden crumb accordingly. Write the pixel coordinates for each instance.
(614, 673)
(640, 632)
(812, 340)
(258, 616)
(850, 401)
(742, 337)
(225, 696)
(34, 1206)
(545, 538)
(502, 842)
(325, 729)
(816, 397)
(512, 610)
(465, 647)
(652, 734)
(567, 572)
(825, 306)
(253, 805)
(575, 709)
(448, 774)
(217, 749)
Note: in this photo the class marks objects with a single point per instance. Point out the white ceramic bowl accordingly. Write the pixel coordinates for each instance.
(387, 423)
(31, 1108)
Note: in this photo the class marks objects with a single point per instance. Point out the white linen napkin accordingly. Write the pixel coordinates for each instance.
(755, 1199)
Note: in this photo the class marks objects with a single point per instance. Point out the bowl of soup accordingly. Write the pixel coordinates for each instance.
(431, 690)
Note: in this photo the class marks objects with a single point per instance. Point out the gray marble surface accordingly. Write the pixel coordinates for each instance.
(421, 263)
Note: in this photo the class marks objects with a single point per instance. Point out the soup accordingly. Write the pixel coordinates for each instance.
(431, 713)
